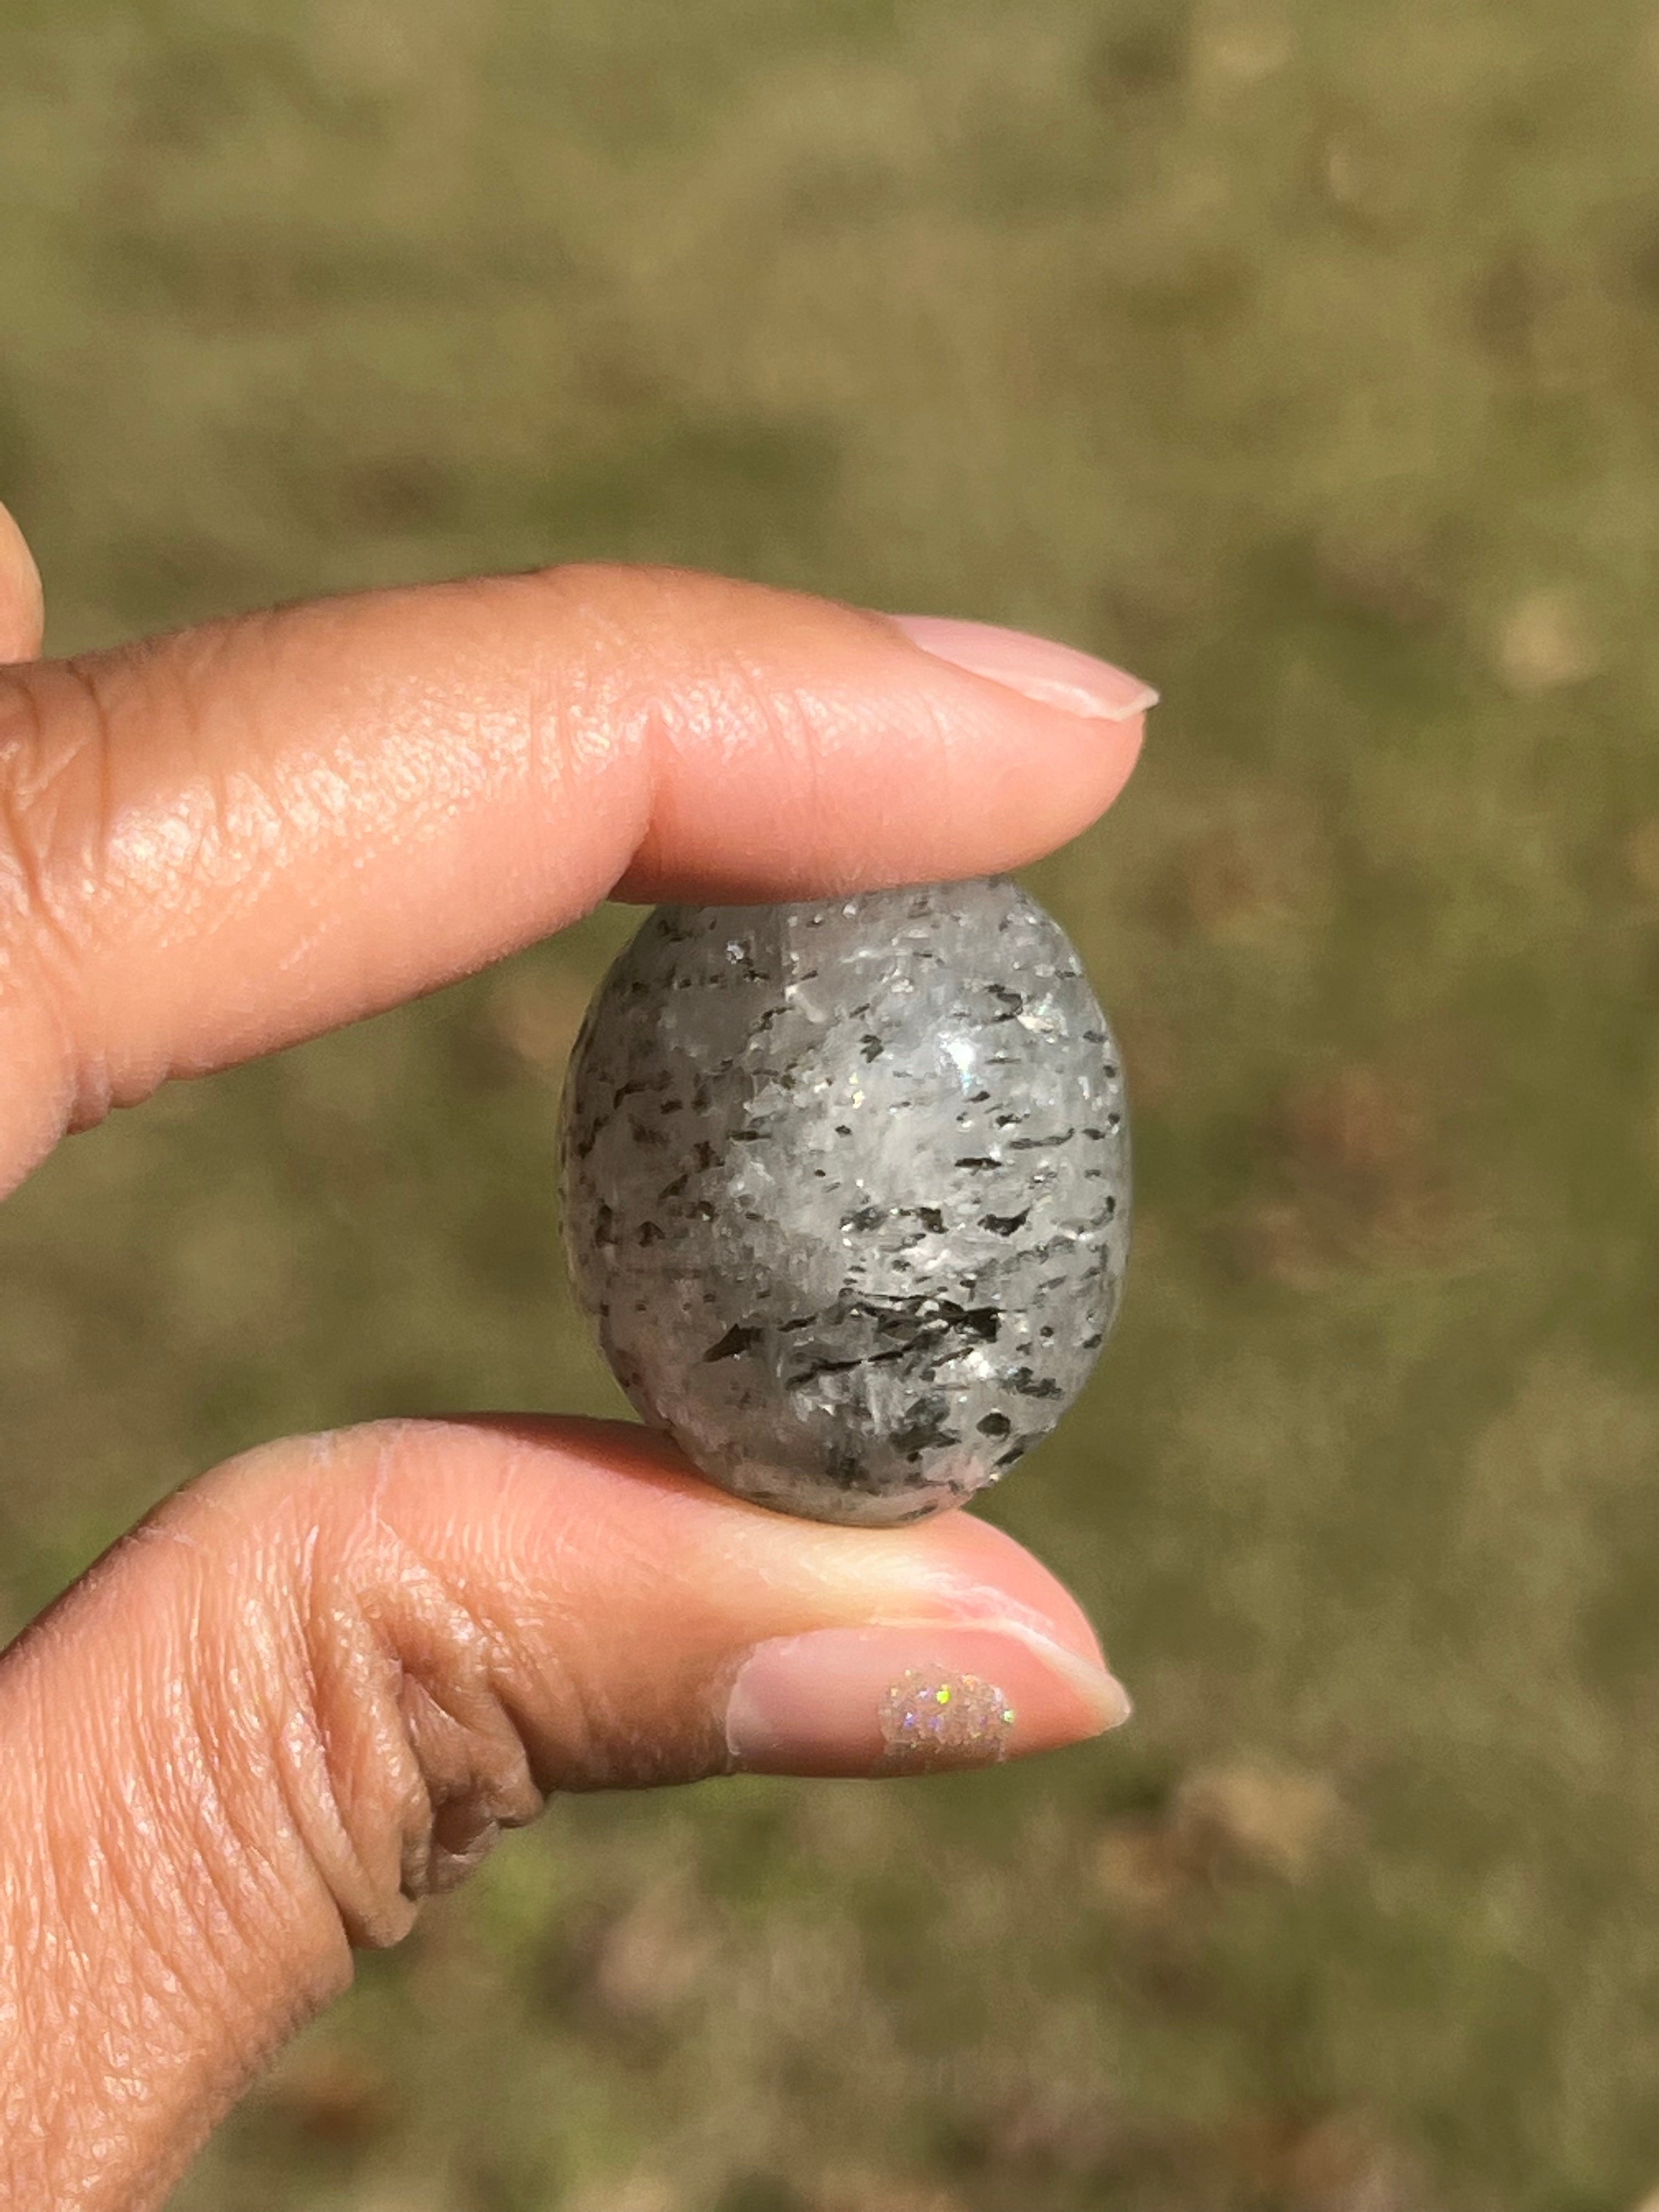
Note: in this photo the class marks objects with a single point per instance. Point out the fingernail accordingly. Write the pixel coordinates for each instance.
(872, 1701)
(1055, 675)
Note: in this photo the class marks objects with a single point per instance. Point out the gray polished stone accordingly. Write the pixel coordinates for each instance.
(847, 1190)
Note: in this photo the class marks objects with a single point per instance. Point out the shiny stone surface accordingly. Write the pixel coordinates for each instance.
(847, 1190)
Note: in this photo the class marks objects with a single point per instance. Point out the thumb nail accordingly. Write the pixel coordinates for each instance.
(1055, 675)
(872, 1701)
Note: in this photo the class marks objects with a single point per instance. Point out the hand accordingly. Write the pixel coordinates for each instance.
(315, 1685)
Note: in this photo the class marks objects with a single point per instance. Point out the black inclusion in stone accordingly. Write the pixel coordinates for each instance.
(736, 1341)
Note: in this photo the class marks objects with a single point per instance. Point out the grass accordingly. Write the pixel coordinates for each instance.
(1303, 355)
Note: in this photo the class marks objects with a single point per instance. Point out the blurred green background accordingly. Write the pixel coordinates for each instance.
(1303, 355)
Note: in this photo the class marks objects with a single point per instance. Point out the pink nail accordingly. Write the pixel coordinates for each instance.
(873, 1701)
(1055, 675)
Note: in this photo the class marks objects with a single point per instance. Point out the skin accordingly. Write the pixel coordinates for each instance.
(315, 1684)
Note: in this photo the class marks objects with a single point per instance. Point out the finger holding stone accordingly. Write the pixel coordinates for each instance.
(221, 842)
(316, 1685)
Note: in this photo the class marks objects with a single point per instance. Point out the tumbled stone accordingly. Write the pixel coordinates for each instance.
(847, 1190)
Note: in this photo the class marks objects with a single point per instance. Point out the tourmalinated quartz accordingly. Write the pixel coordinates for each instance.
(847, 1190)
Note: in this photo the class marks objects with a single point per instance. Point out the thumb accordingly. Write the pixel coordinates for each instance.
(315, 1685)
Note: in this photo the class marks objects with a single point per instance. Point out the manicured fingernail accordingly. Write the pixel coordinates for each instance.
(1056, 675)
(873, 1701)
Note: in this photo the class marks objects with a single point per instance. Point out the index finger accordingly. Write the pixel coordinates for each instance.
(220, 842)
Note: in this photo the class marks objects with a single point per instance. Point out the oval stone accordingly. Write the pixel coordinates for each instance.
(847, 1190)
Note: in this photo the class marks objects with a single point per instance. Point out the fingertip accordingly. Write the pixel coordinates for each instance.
(984, 1573)
(842, 749)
